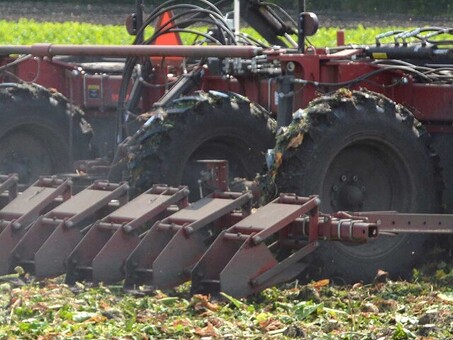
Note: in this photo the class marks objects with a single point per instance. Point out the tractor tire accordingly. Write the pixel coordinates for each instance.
(361, 152)
(211, 125)
(34, 132)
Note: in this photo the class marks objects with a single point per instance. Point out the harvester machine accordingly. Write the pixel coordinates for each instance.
(234, 162)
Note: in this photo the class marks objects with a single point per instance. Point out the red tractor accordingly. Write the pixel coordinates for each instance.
(365, 127)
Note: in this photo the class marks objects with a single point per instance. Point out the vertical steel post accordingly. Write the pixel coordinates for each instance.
(301, 6)
(237, 16)
(300, 22)
(286, 96)
(139, 18)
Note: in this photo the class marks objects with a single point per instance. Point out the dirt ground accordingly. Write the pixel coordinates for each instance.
(116, 14)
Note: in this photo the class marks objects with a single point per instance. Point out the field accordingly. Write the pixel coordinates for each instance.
(420, 308)
(25, 32)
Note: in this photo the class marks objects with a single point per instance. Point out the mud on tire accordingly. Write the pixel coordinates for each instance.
(361, 152)
(204, 126)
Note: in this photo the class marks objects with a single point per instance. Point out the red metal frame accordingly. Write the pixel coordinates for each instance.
(428, 102)
(101, 254)
(171, 247)
(393, 222)
(38, 199)
(216, 241)
(8, 188)
(49, 240)
(241, 260)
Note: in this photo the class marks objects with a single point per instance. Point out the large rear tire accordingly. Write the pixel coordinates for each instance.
(35, 132)
(204, 126)
(361, 152)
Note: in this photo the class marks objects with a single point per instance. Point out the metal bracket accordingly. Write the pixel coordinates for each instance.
(15, 217)
(49, 240)
(167, 253)
(101, 254)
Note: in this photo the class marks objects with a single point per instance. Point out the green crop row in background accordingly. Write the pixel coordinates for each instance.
(379, 7)
(26, 32)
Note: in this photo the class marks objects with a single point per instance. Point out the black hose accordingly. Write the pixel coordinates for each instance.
(188, 15)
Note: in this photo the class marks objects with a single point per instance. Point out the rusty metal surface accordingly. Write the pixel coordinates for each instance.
(242, 249)
(217, 242)
(354, 229)
(34, 200)
(102, 251)
(215, 176)
(40, 197)
(266, 221)
(136, 211)
(241, 262)
(8, 188)
(89, 201)
(208, 208)
(171, 247)
(392, 222)
(55, 234)
(51, 50)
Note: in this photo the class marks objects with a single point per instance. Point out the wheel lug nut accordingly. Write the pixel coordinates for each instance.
(355, 178)
(344, 178)
(335, 188)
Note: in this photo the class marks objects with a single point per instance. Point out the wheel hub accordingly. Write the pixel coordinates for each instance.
(348, 193)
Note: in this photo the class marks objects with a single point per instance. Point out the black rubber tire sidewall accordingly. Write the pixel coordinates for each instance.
(39, 114)
(351, 123)
(239, 126)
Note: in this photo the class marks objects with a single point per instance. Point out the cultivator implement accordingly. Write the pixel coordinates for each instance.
(16, 216)
(49, 240)
(242, 260)
(165, 256)
(101, 253)
(159, 240)
(8, 188)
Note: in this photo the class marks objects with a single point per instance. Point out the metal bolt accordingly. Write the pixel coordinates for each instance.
(291, 66)
(355, 178)
(335, 188)
(127, 228)
(344, 178)
(257, 240)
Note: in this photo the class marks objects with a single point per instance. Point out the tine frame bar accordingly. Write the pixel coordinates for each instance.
(40, 197)
(8, 188)
(107, 244)
(167, 253)
(240, 262)
(50, 243)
